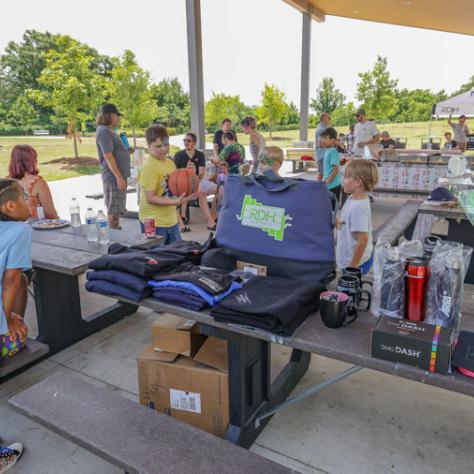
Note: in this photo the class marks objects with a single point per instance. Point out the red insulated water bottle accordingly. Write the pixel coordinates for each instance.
(417, 273)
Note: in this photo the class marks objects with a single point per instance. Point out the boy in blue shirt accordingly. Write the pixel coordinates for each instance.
(15, 245)
(331, 165)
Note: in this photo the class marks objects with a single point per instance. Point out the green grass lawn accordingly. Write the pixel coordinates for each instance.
(56, 160)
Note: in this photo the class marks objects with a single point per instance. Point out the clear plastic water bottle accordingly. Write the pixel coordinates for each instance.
(102, 228)
(75, 213)
(92, 232)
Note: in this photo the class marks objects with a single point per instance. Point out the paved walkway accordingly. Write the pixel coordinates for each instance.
(369, 423)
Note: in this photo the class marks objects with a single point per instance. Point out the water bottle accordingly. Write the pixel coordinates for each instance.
(75, 213)
(91, 226)
(102, 228)
(392, 285)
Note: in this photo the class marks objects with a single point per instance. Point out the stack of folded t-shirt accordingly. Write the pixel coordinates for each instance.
(278, 305)
(193, 287)
(125, 271)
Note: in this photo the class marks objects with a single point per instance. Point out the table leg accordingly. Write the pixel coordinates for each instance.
(251, 390)
(58, 310)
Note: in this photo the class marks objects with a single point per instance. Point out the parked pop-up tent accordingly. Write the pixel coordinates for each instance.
(462, 104)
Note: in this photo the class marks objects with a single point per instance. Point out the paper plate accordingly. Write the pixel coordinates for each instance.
(50, 224)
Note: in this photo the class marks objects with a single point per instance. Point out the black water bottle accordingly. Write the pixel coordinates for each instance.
(392, 286)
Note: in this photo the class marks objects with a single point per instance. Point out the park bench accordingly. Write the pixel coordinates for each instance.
(100, 195)
(402, 223)
(133, 437)
(40, 132)
(294, 155)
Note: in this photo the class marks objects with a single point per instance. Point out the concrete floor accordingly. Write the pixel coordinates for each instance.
(368, 423)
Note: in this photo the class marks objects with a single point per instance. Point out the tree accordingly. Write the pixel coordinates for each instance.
(222, 106)
(73, 88)
(328, 97)
(376, 91)
(22, 114)
(465, 87)
(343, 114)
(291, 115)
(174, 106)
(22, 63)
(273, 107)
(130, 89)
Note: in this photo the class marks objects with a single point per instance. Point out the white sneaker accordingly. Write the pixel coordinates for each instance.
(9, 455)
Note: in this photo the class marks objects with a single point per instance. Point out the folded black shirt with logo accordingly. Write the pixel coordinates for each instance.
(278, 305)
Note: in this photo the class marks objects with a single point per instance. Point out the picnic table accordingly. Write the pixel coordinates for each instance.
(254, 398)
(59, 257)
(460, 228)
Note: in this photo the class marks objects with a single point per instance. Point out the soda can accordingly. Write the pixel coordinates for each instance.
(150, 229)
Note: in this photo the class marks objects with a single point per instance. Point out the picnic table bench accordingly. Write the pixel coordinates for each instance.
(132, 437)
(59, 257)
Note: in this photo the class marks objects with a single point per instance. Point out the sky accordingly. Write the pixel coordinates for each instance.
(247, 43)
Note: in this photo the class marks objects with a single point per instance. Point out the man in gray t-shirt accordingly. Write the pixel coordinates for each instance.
(324, 121)
(114, 161)
(461, 131)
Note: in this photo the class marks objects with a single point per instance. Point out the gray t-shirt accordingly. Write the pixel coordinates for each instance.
(109, 142)
(460, 132)
(355, 216)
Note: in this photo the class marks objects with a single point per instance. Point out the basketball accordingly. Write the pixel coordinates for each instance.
(183, 181)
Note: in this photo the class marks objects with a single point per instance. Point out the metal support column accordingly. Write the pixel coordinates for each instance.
(305, 74)
(196, 88)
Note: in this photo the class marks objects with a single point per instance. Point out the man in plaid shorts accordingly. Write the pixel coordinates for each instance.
(114, 163)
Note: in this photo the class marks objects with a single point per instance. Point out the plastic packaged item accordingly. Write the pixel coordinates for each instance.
(448, 264)
(91, 226)
(102, 228)
(40, 214)
(388, 293)
(75, 211)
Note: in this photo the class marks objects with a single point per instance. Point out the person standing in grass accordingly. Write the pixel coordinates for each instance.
(461, 131)
(114, 161)
(256, 140)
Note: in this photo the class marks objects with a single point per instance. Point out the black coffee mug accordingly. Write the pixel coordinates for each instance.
(350, 285)
(356, 271)
(336, 309)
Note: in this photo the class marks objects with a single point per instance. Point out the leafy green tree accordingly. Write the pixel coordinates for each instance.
(22, 63)
(130, 89)
(377, 91)
(174, 106)
(22, 114)
(343, 114)
(221, 106)
(73, 88)
(328, 97)
(291, 115)
(273, 107)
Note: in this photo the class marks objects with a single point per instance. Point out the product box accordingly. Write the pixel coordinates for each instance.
(193, 391)
(423, 345)
(176, 335)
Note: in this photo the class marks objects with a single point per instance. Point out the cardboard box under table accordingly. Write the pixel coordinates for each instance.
(195, 391)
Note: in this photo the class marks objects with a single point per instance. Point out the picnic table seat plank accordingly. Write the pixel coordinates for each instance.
(131, 436)
(32, 351)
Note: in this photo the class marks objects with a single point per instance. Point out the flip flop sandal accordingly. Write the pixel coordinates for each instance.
(214, 227)
(186, 229)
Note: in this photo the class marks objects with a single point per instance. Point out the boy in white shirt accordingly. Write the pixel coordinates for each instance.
(354, 236)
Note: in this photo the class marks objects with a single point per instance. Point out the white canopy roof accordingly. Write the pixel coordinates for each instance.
(462, 104)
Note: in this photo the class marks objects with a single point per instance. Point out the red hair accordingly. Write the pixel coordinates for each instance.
(24, 159)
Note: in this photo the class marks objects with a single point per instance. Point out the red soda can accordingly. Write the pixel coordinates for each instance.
(150, 229)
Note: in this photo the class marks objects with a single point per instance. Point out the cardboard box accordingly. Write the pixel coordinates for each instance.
(176, 335)
(189, 390)
(423, 345)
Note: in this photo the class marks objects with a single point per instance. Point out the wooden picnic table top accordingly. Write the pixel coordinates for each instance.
(351, 344)
(442, 210)
(67, 250)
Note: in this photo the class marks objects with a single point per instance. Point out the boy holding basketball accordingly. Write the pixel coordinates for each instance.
(156, 201)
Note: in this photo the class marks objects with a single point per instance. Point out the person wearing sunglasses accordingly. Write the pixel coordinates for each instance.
(366, 134)
(194, 159)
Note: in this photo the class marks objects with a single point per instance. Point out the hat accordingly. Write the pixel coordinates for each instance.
(108, 108)
(462, 116)
(360, 112)
(441, 194)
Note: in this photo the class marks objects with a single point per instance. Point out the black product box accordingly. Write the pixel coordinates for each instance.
(423, 345)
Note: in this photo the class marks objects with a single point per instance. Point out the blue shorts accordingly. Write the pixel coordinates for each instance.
(366, 266)
(171, 234)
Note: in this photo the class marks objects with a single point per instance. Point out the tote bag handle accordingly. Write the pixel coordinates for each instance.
(271, 176)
